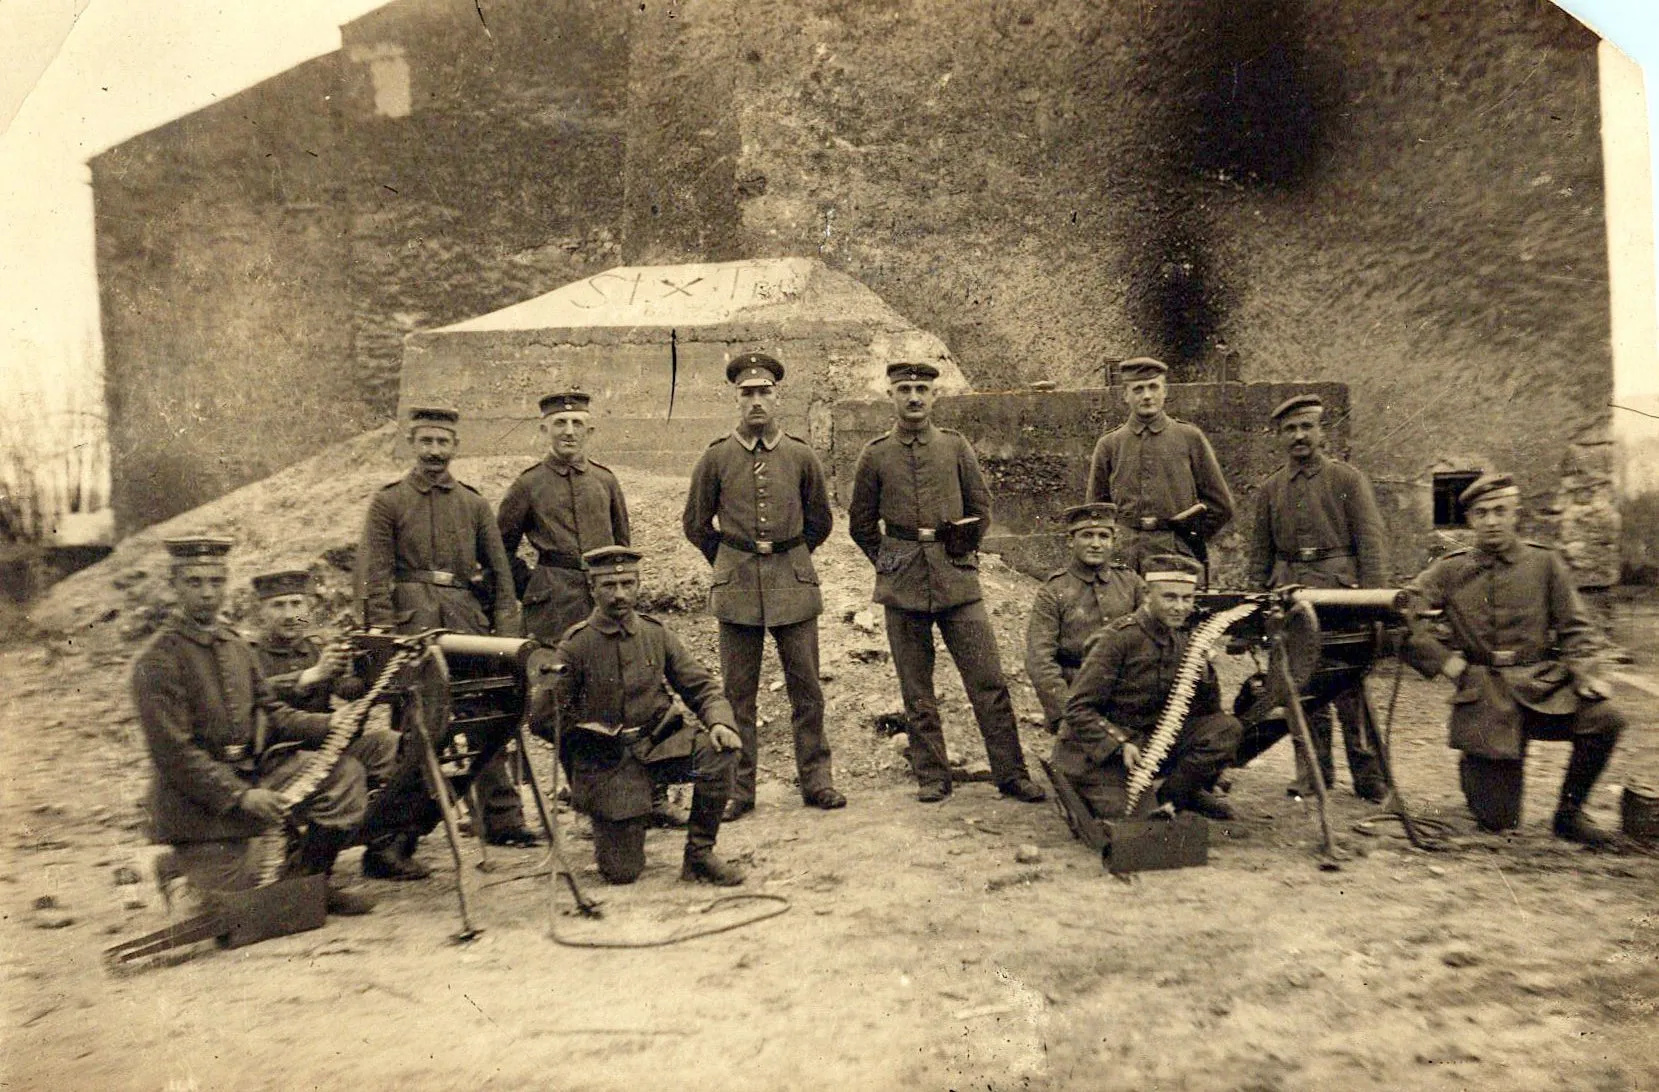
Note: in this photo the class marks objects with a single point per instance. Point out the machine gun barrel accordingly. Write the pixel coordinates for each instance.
(1378, 601)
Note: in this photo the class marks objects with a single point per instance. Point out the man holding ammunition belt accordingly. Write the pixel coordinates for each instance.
(1120, 692)
(1160, 472)
(757, 509)
(622, 732)
(919, 509)
(1074, 603)
(1521, 650)
(223, 746)
(1317, 526)
(566, 505)
(426, 538)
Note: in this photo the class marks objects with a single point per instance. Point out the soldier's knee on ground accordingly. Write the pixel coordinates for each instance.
(619, 848)
(1493, 788)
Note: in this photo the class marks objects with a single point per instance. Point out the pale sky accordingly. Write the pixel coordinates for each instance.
(83, 75)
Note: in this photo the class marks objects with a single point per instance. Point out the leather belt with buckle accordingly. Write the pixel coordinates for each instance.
(762, 547)
(431, 576)
(1148, 523)
(912, 534)
(236, 752)
(1503, 657)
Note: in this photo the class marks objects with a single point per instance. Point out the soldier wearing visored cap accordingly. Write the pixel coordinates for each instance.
(426, 539)
(565, 505)
(1074, 603)
(1317, 525)
(1521, 651)
(1120, 693)
(223, 746)
(757, 508)
(1157, 470)
(919, 509)
(622, 733)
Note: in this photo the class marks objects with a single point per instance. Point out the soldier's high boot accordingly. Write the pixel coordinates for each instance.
(391, 857)
(702, 829)
(318, 849)
(1590, 755)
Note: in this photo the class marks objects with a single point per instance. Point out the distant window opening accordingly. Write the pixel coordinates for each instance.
(1448, 510)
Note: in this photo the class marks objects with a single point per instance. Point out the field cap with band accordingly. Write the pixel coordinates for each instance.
(911, 371)
(199, 547)
(434, 417)
(1138, 368)
(1488, 486)
(1171, 569)
(1094, 514)
(571, 400)
(285, 582)
(612, 559)
(1299, 403)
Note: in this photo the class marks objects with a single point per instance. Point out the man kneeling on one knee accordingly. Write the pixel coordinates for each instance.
(1120, 692)
(1520, 649)
(623, 733)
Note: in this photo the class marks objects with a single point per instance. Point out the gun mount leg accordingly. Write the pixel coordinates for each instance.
(558, 867)
(1396, 802)
(440, 789)
(475, 807)
(1304, 740)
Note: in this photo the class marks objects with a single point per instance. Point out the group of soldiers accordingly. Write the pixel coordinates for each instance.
(226, 719)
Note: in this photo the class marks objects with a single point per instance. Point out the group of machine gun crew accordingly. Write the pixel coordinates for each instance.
(252, 739)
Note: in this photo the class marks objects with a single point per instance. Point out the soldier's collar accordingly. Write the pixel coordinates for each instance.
(559, 466)
(767, 440)
(602, 622)
(1507, 555)
(919, 436)
(417, 478)
(185, 626)
(1157, 424)
(1085, 573)
(1310, 468)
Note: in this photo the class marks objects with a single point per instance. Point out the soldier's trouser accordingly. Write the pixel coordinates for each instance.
(1203, 749)
(1493, 787)
(233, 864)
(503, 806)
(1364, 767)
(619, 846)
(741, 649)
(973, 645)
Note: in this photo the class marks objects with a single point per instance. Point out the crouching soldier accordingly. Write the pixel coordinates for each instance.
(623, 733)
(223, 747)
(1520, 651)
(1120, 692)
(1075, 603)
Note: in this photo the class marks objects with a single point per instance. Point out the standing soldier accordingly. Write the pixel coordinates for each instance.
(1317, 525)
(1120, 694)
(757, 509)
(566, 505)
(1521, 651)
(622, 733)
(1075, 603)
(1158, 470)
(223, 746)
(304, 672)
(919, 509)
(426, 538)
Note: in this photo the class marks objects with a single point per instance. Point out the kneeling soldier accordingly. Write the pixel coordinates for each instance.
(1510, 605)
(224, 747)
(623, 733)
(1121, 691)
(1075, 603)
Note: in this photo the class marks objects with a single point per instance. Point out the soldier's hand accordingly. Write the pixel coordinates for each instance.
(1454, 667)
(1593, 689)
(725, 739)
(1131, 756)
(262, 804)
(336, 657)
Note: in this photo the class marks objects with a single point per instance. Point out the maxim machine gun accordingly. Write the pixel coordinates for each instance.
(1320, 644)
(458, 699)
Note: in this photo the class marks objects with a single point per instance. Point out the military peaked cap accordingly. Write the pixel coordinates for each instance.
(1488, 486)
(1296, 403)
(612, 559)
(754, 370)
(199, 546)
(1171, 568)
(572, 400)
(1094, 514)
(919, 369)
(286, 582)
(1141, 367)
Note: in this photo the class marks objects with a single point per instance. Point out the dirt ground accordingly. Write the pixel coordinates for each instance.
(966, 945)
